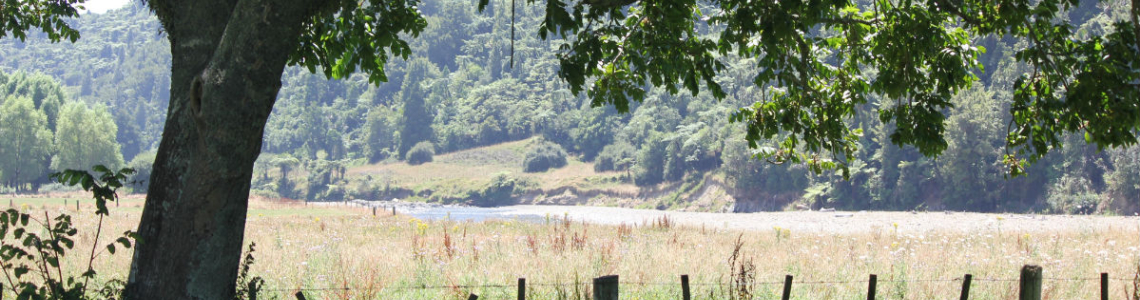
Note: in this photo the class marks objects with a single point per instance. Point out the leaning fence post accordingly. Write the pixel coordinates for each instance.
(300, 295)
(1030, 283)
(966, 286)
(787, 288)
(606, 288)
(871, 287)
(522, 288)
(1103, 286)
(685, 288)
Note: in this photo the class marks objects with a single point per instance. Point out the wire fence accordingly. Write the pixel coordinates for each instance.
(685, 284)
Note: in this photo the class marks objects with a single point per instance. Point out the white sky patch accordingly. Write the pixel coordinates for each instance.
(102, 6)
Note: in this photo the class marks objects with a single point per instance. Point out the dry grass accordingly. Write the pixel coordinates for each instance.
(470, 170)
(395, 257)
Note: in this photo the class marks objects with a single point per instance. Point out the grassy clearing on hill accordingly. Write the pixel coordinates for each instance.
(453, 175)
(394, 257)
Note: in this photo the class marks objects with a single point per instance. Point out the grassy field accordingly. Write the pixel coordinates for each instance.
(452, 176)
(326, 249)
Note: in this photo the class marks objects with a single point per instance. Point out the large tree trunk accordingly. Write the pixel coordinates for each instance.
(228, 56)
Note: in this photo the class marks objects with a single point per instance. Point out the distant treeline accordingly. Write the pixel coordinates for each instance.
(458, 90)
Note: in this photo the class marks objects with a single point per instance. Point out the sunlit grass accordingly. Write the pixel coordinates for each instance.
(399, 257)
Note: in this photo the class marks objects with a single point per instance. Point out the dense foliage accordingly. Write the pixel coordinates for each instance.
(42, 130)
(458, 90)
(544, 156)
(422, 152)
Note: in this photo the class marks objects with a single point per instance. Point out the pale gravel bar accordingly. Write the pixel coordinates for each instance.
(836, 221)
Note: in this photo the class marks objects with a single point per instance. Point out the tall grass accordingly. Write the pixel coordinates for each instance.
(346, 253)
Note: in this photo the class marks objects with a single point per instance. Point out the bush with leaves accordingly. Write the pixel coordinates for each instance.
(421, 153)
(498, 191)
(142, 164)
(616, 157)
(1073, 195)
(31, 248)
(247, 288)
(544, 156)
(649, 169)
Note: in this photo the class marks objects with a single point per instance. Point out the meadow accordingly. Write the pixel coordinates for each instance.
(344, 252)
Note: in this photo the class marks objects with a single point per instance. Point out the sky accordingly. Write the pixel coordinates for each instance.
(102, 6)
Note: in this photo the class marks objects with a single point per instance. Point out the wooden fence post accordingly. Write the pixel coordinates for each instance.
(373, 211)
(300, 295)
(522, 288)
(1030, 283)
(1103, 286)
(606, 288)
(787, 288)
(871, 287)
(76, 205)
(393, 210)
(472, 297)
(966, 287)
(685, 288)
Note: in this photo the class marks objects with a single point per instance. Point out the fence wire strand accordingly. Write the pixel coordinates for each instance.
(698, 284)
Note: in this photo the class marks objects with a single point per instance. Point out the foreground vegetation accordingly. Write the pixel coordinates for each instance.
(457, 92)
(327, 248)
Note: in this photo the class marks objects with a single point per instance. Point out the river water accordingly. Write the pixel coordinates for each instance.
(453, 212)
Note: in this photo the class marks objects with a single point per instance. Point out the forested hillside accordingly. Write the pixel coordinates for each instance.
(468, 85)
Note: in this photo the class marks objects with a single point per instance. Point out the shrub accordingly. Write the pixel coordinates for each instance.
(32, 252)
(544, 156)
(421, 153)
(497, 192)
(1073, 195)
(142, 164)
(650, 166)
(616, 157)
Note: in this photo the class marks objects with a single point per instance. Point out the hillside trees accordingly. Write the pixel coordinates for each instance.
(85, 137)
(381, 134)
(416, 122)
(26, 142)
(76, 137)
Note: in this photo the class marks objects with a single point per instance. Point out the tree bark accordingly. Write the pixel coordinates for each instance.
(228, 57)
